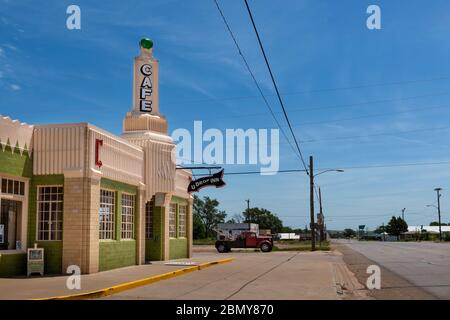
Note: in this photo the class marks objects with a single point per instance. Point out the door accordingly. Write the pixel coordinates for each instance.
(9, 226)
(250, 240)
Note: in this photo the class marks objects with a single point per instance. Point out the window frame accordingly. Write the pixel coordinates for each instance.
(133, 216)
(22, 184)
(175, 227)
(185, 206)
(38, 220)
(149, 214)
(114, 215)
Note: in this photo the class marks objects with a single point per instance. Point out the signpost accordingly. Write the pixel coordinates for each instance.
(361, 230)
(35, 259)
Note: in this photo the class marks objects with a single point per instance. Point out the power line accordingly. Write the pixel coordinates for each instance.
(397, 165)
(347, 168)
(355, 104)
(275, 86)
(390, 133)
(259, 172)
(377, 134)
(254, 78)
(382, 84)
(371, 115)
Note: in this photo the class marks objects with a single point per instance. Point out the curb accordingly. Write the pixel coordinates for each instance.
(137, 283)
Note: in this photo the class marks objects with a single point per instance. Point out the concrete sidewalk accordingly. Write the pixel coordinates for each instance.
(260, 276)
(251, 275)
(43, 287)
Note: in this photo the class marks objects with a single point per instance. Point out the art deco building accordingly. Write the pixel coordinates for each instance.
(91, 198)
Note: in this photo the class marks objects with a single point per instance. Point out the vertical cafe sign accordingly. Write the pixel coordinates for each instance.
(146, 89)
(146, 79)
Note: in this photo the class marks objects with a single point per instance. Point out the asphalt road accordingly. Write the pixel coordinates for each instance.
(426, 265)
(252, 275)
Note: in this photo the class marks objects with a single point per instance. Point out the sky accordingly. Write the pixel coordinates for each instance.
(357, 98)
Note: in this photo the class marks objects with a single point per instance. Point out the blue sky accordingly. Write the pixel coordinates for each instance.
(360, 97)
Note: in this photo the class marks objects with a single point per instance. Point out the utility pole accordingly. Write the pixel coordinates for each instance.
(311, 203)
(322, 219)
(438, 190)
(248, 206)
(403, 214)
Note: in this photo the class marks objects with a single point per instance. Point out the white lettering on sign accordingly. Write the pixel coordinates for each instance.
(146, 89)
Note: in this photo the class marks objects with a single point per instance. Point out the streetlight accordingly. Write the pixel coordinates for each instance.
(403, 214)
(311, 198)
(328, 170)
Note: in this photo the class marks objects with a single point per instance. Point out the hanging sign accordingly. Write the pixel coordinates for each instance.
(213, 180)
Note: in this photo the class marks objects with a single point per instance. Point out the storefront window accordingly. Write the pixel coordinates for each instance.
(127, 216)
(149, 220)
(173, 220)
(10, 223)
(107, 214)
(50, 213)
(13, 187)
(182, 221)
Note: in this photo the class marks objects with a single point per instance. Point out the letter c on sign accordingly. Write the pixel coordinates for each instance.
(146, 70)
(98, 144)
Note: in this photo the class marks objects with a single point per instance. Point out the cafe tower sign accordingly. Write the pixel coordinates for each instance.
(145, 82)
(145, 126)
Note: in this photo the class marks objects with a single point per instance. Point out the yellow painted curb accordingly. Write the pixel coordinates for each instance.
(138, 283)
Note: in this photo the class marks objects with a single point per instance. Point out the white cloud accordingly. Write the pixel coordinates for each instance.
(15, 87)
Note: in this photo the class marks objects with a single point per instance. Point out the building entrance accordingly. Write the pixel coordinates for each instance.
(10, 222)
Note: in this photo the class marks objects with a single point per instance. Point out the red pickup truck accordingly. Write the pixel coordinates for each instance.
(246, 239)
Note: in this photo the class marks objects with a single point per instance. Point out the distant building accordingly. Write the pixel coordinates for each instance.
(431, 229)
(293, 236)
(288, 236)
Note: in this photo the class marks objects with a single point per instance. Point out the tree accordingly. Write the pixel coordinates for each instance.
(380, 229)
(349, 233)
(207, 212)
(436, 223)
(198, 227)
(237, 218)
(263, 217)
(287, 230)
(396, 227)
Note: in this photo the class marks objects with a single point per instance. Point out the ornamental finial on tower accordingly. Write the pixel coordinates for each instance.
(146, 43)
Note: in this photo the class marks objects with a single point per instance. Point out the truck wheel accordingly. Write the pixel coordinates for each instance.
(222, 248)
(265, 247)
